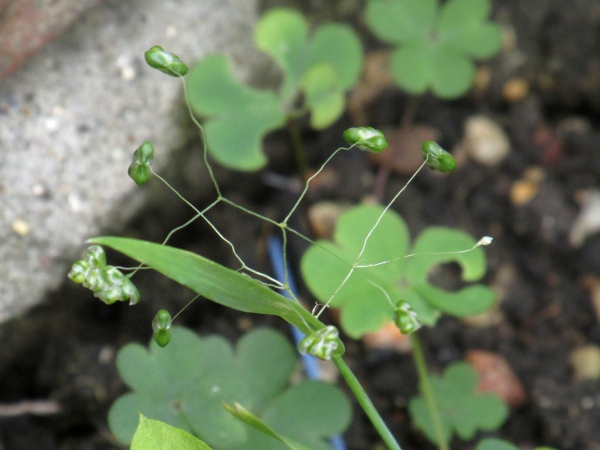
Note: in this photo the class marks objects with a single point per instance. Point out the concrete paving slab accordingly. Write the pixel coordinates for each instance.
(71, 117)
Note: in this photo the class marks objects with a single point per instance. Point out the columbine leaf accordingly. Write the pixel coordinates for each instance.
(323, 96)
(310, 412)
(364, 305)
(436, 44)
(282, 34)
(463, 26)
(325, 265)
(337, 45)
(239, 116)
(463, 411)
(322, 67)
(255, 422)
(401, 21)
(186, 383)
(495, 444)
(438, 245)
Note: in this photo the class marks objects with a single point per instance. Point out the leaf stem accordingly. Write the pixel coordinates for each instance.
(299, 155)
(427, 391)
(366, 404)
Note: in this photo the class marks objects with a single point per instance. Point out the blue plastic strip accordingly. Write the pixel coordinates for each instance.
(311, 365)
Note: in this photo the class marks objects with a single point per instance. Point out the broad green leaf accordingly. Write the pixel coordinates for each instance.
(495, 444)
(452, 74)
(323, 96)
(337, 45)
(239, 116)
(412, 66)
(194, 377)
(322, 67)
(401, 21)
(463, 14)
(214, 281)
(247, 417)
(282, 34)
(437, 45)
(384, 275)
(310, 412)
(438, 245)
(186, 383)
(465, 302)
(462, 410)
(325, 265)
(499, 444)
(266, 361)
(155, 435)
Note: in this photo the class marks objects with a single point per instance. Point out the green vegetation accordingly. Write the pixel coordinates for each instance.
(437, 45)
(321, 68)
(186, 383)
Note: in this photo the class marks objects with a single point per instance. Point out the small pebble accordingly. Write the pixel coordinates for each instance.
(585, 362)
(515, 90)
(587, 221)
(323, 217)
(485, 141)
(388, 337)
(20, 227)
(496, 376)
(524, 190)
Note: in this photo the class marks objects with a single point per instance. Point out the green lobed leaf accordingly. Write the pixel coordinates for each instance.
(412, 66)
(364, 305)
(156, 435)
(465, 302)
(499, 444)
(401, 21)
(463, 26)
(214, 281)
(323, 96)
(463, 411)
(452, 74)
(437, 245)
(436, 44)
(282, 33)
(239, 116)
(339, 46)
(310, 412)
(186, 383)
(495, 444)
(324, 266)
(258, 353)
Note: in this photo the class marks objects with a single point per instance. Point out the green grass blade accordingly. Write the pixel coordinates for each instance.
(214, 281)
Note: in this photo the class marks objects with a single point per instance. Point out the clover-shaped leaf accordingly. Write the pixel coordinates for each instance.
(238, 117)
(384, 275)
(186, 383)
(463, 411)
(437, 44)
(499, 444)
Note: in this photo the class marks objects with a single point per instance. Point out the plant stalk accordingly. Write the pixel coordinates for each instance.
(366, 404)
(427, 391)
(299, 156)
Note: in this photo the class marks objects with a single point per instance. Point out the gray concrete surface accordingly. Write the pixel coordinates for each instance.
(71, 117)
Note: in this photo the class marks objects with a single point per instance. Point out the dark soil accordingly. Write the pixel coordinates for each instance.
(64, 350)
